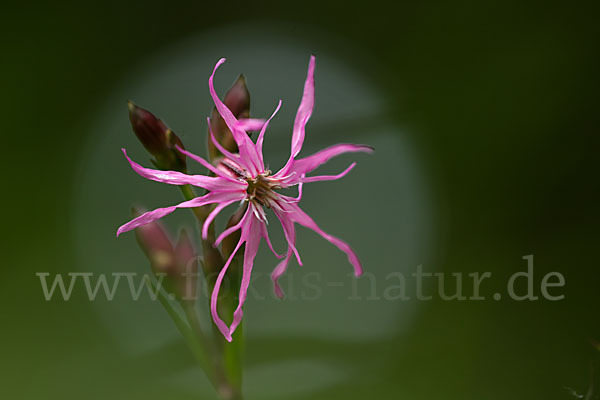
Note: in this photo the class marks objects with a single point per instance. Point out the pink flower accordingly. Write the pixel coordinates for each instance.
(243, 178)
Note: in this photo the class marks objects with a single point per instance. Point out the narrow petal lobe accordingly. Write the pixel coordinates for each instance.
(178, 178)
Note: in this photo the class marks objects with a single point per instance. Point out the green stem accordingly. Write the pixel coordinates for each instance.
(232, 351)
(226, 388)
(195, 341)
(227, 356)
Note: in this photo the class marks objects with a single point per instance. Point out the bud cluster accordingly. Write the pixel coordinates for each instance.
(178, 260)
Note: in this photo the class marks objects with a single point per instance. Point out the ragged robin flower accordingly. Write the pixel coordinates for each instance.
(243, 177)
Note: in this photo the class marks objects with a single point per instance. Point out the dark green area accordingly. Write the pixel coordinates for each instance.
(504, 96)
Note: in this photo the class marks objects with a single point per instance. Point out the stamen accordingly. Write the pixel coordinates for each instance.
(261, 190)
(236, 171)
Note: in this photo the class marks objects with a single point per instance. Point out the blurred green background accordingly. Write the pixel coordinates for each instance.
(498, 101)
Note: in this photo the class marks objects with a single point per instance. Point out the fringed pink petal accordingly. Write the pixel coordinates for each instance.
(305, 109)
(251, 124)
(178, 178)
(319, 178)
(213, 214)
(300, 185)
(245, 145)
(150, 216)
(279, 271)
(264, 232)
(308, 164)
(251, 236)
(289, 231)
(231, 229)
(215, 295)
(240, 137)
(303, 114)
(245, 224)
(252, 243)
(261, 136)
(297, 215)
(205, 163)
(146, 218)
(223, 150)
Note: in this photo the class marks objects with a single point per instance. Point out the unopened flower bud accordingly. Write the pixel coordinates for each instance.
(157, 138)
(178, 263)
(187, 263)
(237, 99)
(156, 244)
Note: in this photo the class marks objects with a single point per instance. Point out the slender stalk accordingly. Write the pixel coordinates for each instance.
(226, 356)
(232, 352)
(227, 389)
(197, 343)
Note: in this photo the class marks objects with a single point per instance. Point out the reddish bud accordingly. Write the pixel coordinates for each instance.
(156, 244)
(187, 262)
(157, 138)
(179, 263)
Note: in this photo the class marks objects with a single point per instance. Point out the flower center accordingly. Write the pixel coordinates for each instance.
(260, 189)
